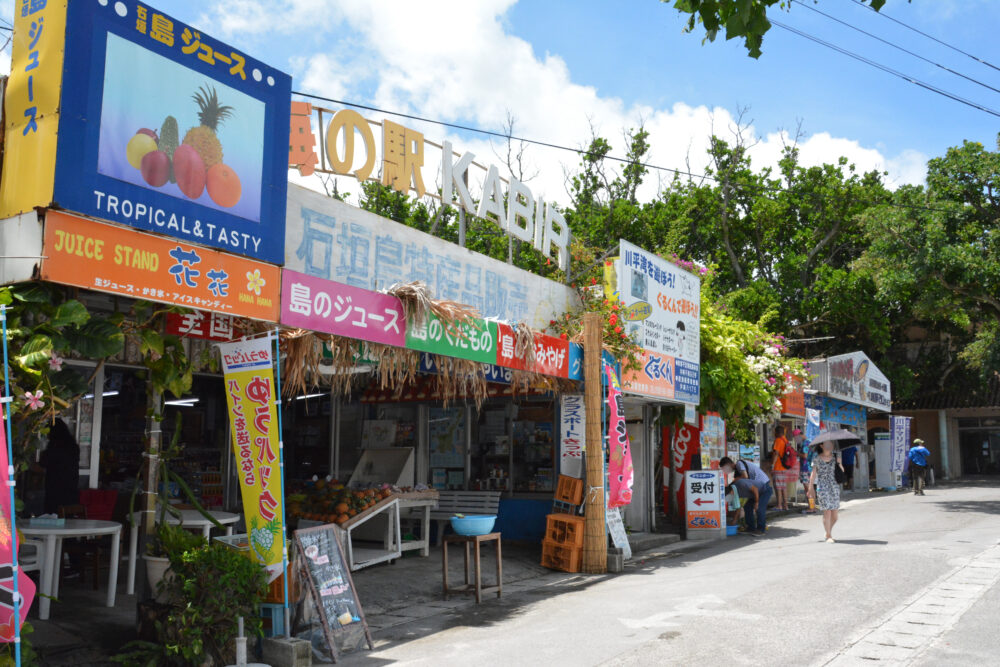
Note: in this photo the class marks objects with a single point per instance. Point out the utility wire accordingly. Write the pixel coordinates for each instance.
(930, 37)
(580, 151)
(896, 46)
(886, 69)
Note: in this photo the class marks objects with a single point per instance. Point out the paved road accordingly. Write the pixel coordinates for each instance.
(911, 580)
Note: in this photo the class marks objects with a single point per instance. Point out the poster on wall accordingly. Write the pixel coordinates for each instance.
(447, 437)
(662, 313)
(854, 378)
(160, 126)
(713, 440)
(248, 375)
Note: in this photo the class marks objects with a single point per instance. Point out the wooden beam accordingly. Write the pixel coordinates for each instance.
(595, 541)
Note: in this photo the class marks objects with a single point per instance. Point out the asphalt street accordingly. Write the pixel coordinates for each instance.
(910, 580)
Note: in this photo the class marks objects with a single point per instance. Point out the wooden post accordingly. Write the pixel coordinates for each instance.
(595, 541)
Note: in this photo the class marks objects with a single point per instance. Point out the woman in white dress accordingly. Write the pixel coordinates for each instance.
(824, 487)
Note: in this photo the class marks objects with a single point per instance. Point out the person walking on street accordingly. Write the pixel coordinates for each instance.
(752, 471)
(823, 486)
(919, 460)
(782, 463)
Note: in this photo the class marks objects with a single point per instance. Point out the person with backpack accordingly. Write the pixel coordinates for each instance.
(784, 464)
(824, 484)
(919, 460)
(755, 515)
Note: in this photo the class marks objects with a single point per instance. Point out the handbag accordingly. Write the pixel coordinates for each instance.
(838, 472)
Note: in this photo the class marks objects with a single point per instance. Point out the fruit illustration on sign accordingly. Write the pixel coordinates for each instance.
(189, 171)
(203, 138)
(224, 185)
(137, 148)
(169, 140)
(155, 168)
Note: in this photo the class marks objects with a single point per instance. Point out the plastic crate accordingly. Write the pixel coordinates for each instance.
(561, 557)
(273, 616)
(564, 529)
(569, 490)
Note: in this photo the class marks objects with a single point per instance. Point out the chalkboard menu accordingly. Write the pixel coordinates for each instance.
(332, 589)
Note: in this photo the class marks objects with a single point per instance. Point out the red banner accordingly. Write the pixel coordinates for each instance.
(686, 447)
(201, 324)
(551, 353)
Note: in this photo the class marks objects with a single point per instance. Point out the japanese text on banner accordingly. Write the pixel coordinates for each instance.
(620, 473)
(251, 395)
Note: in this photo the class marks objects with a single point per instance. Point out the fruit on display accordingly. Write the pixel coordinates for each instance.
(137, 148)
(194, 164)
(155, 168)
(189, 171)
(203, 138)
(224, 185)
(333, 502)
(169, 140)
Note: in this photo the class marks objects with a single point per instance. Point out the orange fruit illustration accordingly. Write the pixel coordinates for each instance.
(224, 185)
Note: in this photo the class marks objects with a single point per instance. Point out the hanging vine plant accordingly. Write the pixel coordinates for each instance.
(615, 337)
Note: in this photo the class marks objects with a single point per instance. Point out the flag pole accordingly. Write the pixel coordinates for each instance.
(6, 400)
(281, 477)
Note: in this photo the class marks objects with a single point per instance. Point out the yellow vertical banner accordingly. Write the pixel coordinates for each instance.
(251, 395)
(31, 106)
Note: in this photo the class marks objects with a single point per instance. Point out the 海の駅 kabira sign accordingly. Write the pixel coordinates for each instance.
(663, 314)
(347, 146)
(121, 112)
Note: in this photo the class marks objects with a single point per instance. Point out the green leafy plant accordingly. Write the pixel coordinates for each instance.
(211, 587)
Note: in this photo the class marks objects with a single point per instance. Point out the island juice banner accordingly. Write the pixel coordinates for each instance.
(250, 393)
(620, 473)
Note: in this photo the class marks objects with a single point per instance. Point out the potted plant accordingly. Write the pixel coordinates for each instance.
(210, 587)
(166, 548)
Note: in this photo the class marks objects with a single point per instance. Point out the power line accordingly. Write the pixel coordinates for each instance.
(580, 151)
(897, 46)
(886, 69)
(930, 37)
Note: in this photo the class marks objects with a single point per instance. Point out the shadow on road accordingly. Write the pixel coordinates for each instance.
(974, 506)
(862, 542)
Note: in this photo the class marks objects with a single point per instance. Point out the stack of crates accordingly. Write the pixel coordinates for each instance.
(562, 548)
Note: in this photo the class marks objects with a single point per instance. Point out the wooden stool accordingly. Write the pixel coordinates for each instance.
(470, 587)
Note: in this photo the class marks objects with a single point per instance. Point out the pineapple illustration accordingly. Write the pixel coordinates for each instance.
(203, 138)
(262, 538)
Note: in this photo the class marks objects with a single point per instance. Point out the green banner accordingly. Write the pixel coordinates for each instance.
(476, 341)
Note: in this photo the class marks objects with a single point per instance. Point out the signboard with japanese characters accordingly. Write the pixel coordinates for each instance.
(201, 324)
(551, 353)
(251, 395)
(348, 139)
(703, 494)
(854, 378)
(123, 261)
(474, 340)
(343, 310)
(572, 435)
(329, 239)
(662, 312)
(160, 126)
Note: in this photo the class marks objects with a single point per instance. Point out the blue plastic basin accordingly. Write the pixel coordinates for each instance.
(732, 530)
(473, 524)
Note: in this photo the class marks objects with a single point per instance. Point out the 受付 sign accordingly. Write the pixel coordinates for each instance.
(147, 122)
(704, 490)
(122, 261)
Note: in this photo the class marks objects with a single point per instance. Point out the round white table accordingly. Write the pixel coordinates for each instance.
(53, 537)
(190, 519)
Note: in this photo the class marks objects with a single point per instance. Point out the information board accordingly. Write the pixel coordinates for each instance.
(332, 588)
(704, 491)
(616, 528)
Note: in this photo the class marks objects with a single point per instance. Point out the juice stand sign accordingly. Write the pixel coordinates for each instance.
(251, 396)
(124, 113)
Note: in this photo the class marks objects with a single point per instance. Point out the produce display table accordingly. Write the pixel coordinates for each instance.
(361, 554)
(475, 587)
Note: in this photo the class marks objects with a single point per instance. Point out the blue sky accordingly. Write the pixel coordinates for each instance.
(562, 67)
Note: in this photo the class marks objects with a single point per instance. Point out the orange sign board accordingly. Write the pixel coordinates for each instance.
(112, 259)
(794, 400)
(654, 378)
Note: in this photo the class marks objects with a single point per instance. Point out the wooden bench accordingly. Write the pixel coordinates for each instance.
(463, 502)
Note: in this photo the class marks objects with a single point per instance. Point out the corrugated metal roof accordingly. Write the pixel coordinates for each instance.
(952, 399)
